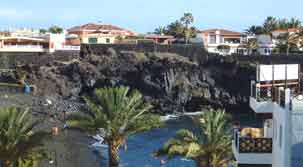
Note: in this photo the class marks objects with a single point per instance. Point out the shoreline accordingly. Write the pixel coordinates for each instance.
(178, 115)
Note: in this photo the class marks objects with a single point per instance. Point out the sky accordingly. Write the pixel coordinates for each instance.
(144, 15)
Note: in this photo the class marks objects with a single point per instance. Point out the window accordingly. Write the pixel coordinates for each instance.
(265, 51)
(107, 40)
(92, 40)
(221, 39)
(212, 39)
(280, 136)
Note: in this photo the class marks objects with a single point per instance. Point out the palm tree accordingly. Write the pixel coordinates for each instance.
(289, 40)
(115, 113)
(254, 30)
(176, 29)
(160, 30)
(187, 19)
(252, 45)
(55, 30)
(294, 23)
(209, 145)
(283, 24)
(18, 139)
(270, 24)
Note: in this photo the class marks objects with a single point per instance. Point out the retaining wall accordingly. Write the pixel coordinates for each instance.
(10, 60)
(190, 51)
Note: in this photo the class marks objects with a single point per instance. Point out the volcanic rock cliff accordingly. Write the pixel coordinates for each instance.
(172, 83)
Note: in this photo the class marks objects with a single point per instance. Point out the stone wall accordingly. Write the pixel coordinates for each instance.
(190, 51)
(10, 60)
(272, 59)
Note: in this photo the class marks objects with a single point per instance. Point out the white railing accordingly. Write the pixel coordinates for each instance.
(23, 46)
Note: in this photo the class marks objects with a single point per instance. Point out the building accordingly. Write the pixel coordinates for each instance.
(279, 143)
(42, 43)
(276, 33)
(224, 42)
(31, 40)
(265, 44)
(23, 44)
(269, 42)
(24, 32)
(159, 39)
(93, 33)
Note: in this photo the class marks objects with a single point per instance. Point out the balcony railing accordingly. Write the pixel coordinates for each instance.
(259, 93)
(252, 145)
(23, 46)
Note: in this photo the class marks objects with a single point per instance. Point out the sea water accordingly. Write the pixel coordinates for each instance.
(141, 146)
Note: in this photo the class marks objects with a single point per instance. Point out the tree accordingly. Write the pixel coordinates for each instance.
(252, 45)
(254, 30)
(187, 19)
(160, 30)
(18, 139)
(176, 29)
(115, 113)
(55, 30)
(179, 28)
(270, 24)
(283, 24)
(209, 145)
(288, 41)
(294, 23)
(42, 31)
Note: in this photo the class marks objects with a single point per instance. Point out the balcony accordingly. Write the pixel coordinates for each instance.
(261, 99)
(22, 48)
(265, 98)
(253, 149)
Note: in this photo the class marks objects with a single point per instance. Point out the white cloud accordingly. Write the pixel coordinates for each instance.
(15, 14)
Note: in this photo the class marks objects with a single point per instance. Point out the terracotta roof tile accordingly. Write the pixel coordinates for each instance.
(98, 28)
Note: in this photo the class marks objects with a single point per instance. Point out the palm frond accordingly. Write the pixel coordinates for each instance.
(18, 137)
(116, 110)
(211, 142)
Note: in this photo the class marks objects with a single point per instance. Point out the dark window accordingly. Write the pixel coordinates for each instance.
(92, 40)
(212, 39)
(107, 40)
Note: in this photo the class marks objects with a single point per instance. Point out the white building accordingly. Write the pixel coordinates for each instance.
(221, 41)
(280, 143)
(266, 44)
(24, 32)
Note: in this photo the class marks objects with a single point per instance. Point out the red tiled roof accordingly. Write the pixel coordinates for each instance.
(95, 27)
(99, 28)
(222, 32)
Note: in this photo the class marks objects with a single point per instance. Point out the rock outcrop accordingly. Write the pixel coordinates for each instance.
(172, 83)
